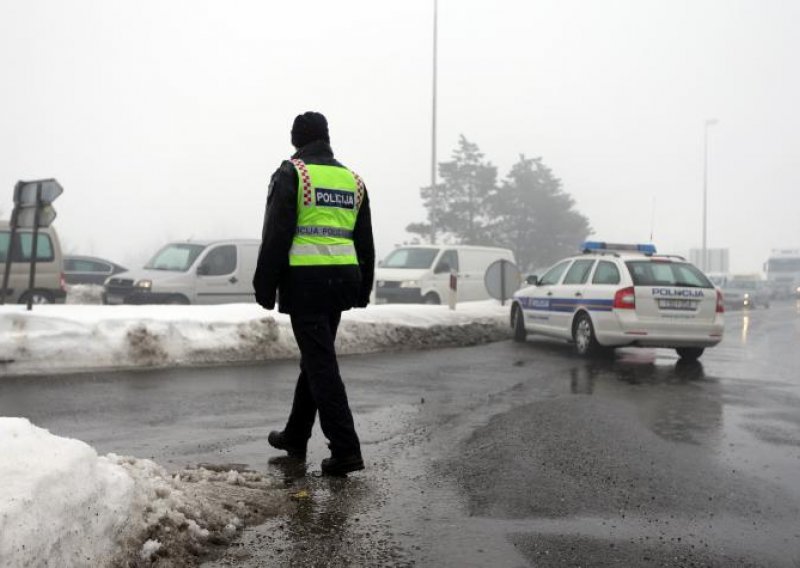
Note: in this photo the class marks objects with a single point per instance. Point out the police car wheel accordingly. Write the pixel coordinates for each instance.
(518, 324)
(583, 336)
(690, 353)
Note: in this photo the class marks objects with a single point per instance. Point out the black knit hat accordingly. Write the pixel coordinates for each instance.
(308, 127)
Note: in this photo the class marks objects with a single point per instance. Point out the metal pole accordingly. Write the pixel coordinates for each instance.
(435, 197)
(502, 282)
(709, 122)
(653, 219)
(705, 195)
(34, 244)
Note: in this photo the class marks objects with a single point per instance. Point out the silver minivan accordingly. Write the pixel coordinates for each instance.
(49, 286)
(192, 272)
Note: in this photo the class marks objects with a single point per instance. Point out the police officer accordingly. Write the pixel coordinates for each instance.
(317, 254)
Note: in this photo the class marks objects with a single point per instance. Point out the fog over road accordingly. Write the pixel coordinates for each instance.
(499, 455)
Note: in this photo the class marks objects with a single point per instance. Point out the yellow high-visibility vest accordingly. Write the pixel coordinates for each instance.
(328, 200)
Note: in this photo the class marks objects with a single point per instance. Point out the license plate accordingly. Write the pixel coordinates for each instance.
(114, 300)
(677, 304)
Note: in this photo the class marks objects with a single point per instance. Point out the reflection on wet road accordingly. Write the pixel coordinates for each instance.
(688, 464)
(499, 455)
(680, 412)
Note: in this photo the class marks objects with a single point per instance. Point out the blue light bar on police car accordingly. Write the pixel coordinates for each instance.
(589, 246)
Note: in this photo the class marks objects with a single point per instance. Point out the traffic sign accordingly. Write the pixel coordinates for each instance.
(26, 218)
(502, 279)
(25, 192)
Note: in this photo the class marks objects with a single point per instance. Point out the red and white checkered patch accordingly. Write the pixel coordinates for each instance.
(305, 181)
(360, 189)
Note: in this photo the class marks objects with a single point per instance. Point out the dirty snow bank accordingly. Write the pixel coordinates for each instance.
(84, 294)
(58, 499)
(67, 338)
(63, 505)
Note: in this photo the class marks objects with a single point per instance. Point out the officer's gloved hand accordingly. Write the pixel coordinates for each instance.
(265, 301)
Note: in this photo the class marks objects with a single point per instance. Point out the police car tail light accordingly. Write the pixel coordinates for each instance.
(625, 299)
(720, 303)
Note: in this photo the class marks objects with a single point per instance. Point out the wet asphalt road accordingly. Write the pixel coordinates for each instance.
(498, 455)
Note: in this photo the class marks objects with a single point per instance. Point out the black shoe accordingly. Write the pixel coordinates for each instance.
(342, 466)
(278, 440)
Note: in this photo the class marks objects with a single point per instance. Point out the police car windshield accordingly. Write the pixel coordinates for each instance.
(650, 273)
(411, 258)
(175, 257)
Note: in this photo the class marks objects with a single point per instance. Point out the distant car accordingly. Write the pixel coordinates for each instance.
(739, 294)
(89, 269)
(48, 286)
(622, 295)
(205, 272)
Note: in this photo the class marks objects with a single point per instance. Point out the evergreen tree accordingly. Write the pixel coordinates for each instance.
(532, 215)
(457, 208)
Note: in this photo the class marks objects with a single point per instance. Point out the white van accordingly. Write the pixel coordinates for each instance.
(211, 272)
(49, 286)
(421, 273)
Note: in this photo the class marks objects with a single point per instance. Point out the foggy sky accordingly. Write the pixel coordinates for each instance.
(164, 120)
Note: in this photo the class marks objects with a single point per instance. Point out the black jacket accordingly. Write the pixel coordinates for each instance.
(309, 289)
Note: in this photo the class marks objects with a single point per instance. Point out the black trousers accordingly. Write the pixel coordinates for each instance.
(320, 387)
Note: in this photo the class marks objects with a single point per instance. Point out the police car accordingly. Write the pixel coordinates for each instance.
(616, 295)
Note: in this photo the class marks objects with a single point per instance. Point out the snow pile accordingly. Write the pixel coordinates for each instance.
(84, 294)
(149, 548)
(63, 505)
(187, 514)
(78, 337)
(59, 501)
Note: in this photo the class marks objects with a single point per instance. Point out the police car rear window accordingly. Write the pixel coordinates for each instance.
(578, 273)
(681, 274)
(606, 273)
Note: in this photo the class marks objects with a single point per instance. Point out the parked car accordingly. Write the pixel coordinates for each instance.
(89, 269)
(421, 274)
(739, 294)
(49, 286)
(208, 272)
(622, 295)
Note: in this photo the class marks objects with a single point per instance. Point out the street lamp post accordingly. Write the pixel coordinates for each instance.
(709, 122)
(433, 122)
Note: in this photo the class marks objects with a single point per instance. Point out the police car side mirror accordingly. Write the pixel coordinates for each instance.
(533, 280)
(442, 267)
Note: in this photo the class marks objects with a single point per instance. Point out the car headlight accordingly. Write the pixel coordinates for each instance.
(409, 284)
(798, 290)
(746, 296)
(144, 284)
